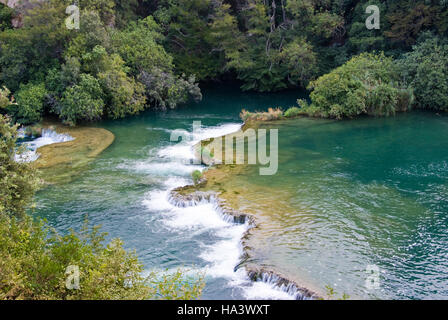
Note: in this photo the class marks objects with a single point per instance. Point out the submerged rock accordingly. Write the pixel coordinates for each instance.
(60, 162)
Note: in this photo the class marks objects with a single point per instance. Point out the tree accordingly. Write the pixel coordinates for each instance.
(27, 53)
(186, 25)
(300, 60)
(407, 23)
(82, 101)
(6, 15)
(30, 103)
(34, 258)
(361, 39)
(18, 181)
(367, 84)
(139, 47)
(92, 33)
(5, 99)
(425, 69)
(165, 90)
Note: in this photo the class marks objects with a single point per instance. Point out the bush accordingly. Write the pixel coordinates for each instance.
(34, 261)
(425, 69)
(292, 112)
(18, 181)
(196, 175)
(367, 84)
(30, 103)
(82, 101)
(5, 99)
(34, 258)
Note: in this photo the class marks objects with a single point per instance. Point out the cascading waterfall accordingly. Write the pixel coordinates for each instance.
(206, 214)
(48, 137)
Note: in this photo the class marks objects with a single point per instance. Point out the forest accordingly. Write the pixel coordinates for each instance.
(128, 56)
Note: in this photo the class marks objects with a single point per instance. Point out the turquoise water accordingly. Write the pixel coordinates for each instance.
(125, 190)
(360, 193)
(352, 193)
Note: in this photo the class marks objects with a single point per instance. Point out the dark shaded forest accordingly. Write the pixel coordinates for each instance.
(128, 56)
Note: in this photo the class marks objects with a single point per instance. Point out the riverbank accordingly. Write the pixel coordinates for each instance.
(60, 162)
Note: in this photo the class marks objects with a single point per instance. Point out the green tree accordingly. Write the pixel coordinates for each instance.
(6, 15)
(367, 84)
(425, 69)
(166, 90)
(186, 24)
(30, 103)
(28, 52)
(34, 258)
(18, 181)
(5, 98)
(138, 45)
(82, 101)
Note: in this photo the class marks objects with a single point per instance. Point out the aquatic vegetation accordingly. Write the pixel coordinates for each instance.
(271, 114)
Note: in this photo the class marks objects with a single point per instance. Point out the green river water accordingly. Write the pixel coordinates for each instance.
(347, 195)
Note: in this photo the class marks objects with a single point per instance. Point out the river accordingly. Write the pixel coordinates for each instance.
(348, 195)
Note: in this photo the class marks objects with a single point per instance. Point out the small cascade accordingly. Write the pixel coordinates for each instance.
(229, 215)
(48, 137)
(184, 209)
(282, 284)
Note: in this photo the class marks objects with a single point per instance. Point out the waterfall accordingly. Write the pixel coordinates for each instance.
(48, 137)
(204, 212)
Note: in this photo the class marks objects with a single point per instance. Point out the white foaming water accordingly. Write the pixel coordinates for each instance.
(173, 162)
(165, 168)
(48, 137)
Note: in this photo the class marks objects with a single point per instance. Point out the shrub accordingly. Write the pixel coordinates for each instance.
(271, 114)
(30, 103)
(34, 261)
(292, 112)
(34, 258)
(425, 69)
(196, 175)
(367, 84)
(18, 181)
(5, 99)
(83, 101)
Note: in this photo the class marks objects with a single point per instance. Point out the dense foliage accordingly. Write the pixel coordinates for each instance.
(18, 181)
(128, 56)
(425, 69)
(367, 84)
(86, 74)
(34, 261)
(34, 258)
